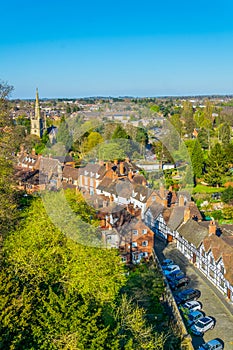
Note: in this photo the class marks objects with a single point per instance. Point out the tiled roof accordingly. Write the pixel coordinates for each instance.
(69, 172)
(221, 247)
(193, 232)
(176, 218)
(48, 165)
(155, 209)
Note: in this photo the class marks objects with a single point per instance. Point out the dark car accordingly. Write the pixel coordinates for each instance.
(167, 262)
(178, 282)
(187, 295)
(175, 274)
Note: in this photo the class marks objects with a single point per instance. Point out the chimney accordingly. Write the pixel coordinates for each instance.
(162, 191)
(144, 182)
(101, 162)
(186, 214)
(127, 160)
(165, 203)
(122, 168)
(181, 200)
(115, 162)
(108, 166)
(212, 228)
(130, 175)
(33, 152)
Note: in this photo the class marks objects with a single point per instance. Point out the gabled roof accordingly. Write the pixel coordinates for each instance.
(49, 165)
(155, 209)
(221, 247)
(176, 218)
(193, 232)
(142, 193)
(69, 172)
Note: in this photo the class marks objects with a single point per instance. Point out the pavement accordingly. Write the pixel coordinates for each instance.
(214, 302)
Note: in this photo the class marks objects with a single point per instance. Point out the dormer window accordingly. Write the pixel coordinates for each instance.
(142, 197)
(86, 173)
(144, 231)
(134, 194)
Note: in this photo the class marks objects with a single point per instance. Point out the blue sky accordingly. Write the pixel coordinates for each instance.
(72, 49)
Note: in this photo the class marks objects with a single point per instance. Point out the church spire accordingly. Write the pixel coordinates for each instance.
(37, 106)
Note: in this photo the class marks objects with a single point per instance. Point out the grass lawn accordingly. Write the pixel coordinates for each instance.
(207, 189)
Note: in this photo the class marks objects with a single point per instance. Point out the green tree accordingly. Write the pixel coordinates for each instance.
(216, 166)
(225, 133)
(197, 159)
(110, 151)
(8, 145)
(55, 293)
(119, 133)
(227, 195)
(64, 135)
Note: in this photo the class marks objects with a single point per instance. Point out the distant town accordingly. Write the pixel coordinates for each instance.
(153, 177)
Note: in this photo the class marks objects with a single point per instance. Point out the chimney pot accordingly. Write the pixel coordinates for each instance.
(212, 228)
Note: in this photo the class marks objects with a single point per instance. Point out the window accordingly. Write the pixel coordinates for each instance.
(145, 243)
(222, 269)
(222, 284)
(144, 231)
(211, 260)
(212, 274)
(145, 255)
(135, 232)
(203, 266)
(134, 244)
(203, 253)
(123, 259)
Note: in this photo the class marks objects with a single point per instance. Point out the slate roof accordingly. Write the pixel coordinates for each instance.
(193, 232)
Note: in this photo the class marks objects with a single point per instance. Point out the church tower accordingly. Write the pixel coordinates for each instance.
(38, 123)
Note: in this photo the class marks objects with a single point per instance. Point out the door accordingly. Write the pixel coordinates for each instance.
(194, 258)
(169, 238)
(229, 293)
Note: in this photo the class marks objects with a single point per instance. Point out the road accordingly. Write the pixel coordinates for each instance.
(214, 303)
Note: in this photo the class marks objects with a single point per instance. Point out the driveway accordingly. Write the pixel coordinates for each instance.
(214, 303)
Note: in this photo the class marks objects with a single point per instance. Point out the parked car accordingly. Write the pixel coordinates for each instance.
(169, 269)
(187, 295)
(203, 325)
(167, 262)
(214, 344)
(192, 305)
(175, 274)
(194, 316)
(178, 282)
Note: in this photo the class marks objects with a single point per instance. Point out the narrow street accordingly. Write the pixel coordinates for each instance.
(214, 303)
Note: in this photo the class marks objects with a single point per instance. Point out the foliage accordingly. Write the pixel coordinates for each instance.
(64, 135)
(110, 151)
(197, 159)
(56, 293)
(227, 195)
(119, 133)
(216, 166)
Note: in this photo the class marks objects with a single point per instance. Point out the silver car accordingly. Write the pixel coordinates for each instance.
(192, 305)
(203, 325)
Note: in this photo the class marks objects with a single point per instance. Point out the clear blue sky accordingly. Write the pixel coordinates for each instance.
(72, 48)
